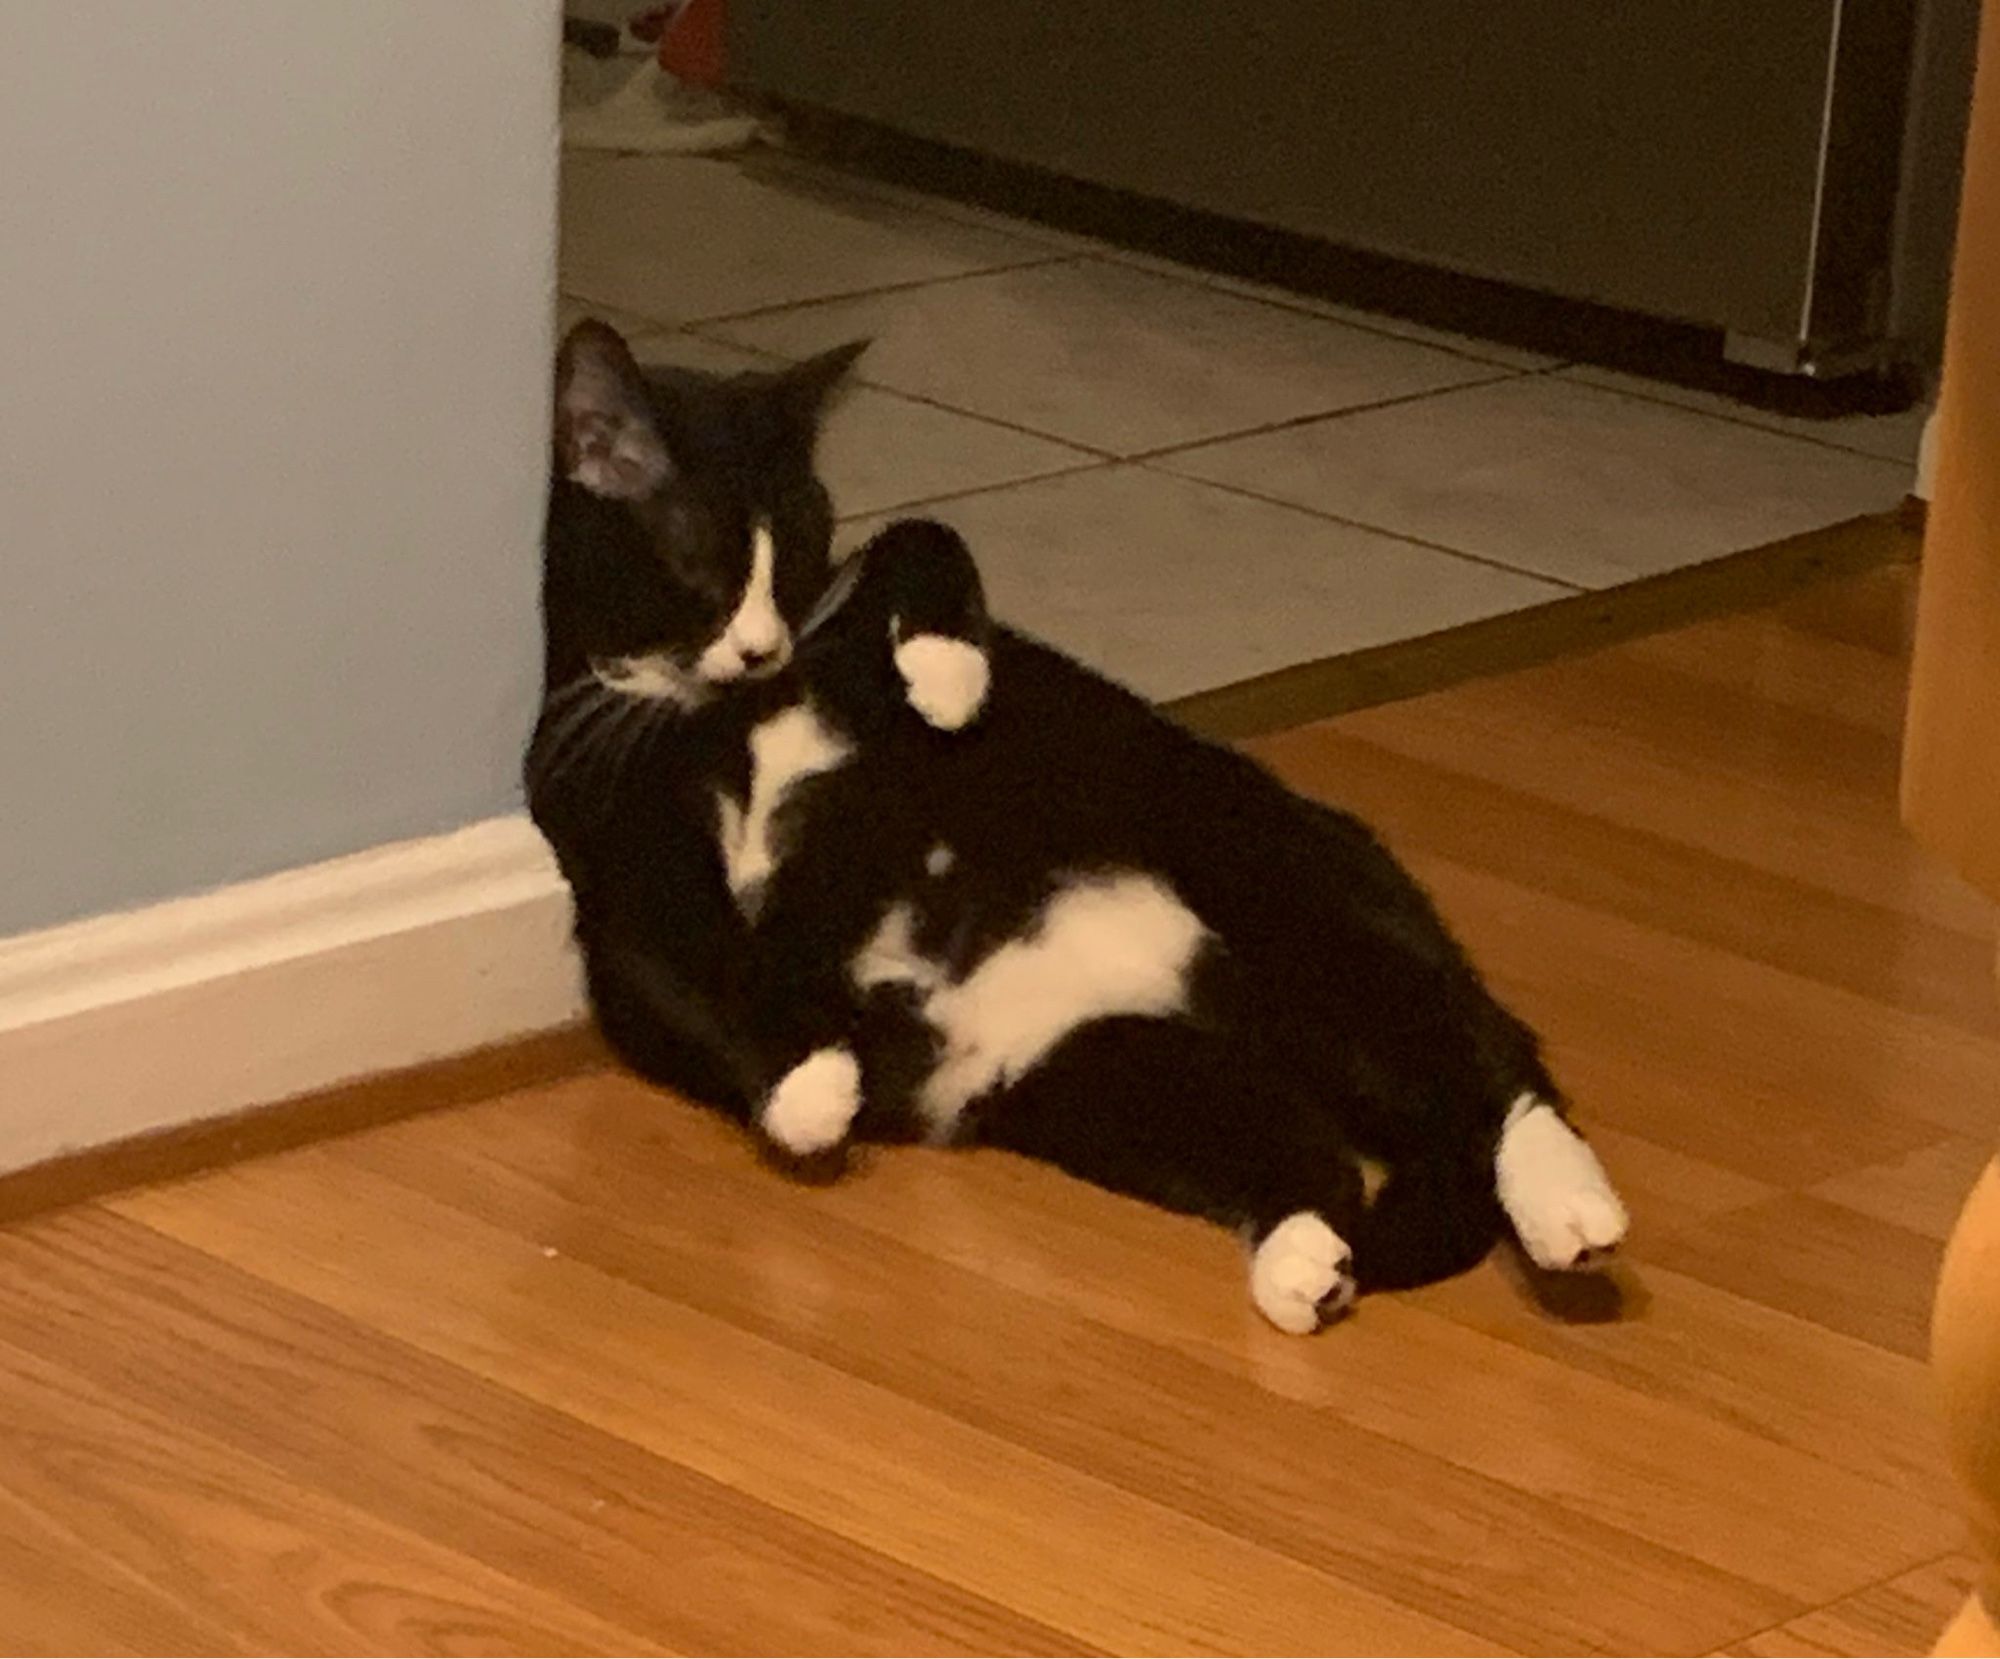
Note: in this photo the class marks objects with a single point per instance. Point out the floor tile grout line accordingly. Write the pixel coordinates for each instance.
(1109, 461)
(566, 290)
(1115, 463)
(1499, 377)
(947, 209)
(1106, 460)
(918, 503)
(568, 287)
(1072, 248)
(1069, 248)
(1566, 372)
(1327, 415)
(1075, 246)
(1568, 585)
(861, 381)
(1098, 251)
(879, 290)
(1302, 305)
(625, 321)
(1502, 375)
(1092, 450)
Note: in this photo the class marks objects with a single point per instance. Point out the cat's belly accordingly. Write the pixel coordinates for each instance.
(1118, 943)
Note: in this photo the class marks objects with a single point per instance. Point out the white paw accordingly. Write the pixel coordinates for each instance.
(1301, 1274)
(1554, 1190)
(814, 1103)
(947, 678)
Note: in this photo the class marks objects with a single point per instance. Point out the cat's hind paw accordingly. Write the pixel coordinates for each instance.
(1555, 1192)
(1302, 1274)
(947, 678)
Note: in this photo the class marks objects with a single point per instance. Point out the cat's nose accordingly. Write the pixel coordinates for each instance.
(763, 659)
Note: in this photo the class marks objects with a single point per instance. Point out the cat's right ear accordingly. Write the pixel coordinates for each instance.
(605, 436)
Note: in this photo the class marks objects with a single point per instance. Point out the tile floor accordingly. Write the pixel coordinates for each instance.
(1183, 479)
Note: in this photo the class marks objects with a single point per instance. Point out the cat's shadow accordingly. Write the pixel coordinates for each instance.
(1609, 1295)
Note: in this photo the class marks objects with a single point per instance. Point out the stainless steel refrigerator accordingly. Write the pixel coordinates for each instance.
(1780, 171)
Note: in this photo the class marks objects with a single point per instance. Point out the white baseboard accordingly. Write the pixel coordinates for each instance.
(125, 1024)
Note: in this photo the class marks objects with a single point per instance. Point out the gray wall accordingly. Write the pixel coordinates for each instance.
(276, 284)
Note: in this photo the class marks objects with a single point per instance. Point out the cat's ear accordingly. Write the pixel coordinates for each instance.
(605, 435)
(807, 386)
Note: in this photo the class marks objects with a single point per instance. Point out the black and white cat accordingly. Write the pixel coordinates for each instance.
(849, 862)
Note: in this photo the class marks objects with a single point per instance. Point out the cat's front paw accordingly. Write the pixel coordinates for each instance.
(947, 678)
(1302, 1274)
(813, 1106)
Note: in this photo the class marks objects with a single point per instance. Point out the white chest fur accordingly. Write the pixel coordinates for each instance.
(785, 750)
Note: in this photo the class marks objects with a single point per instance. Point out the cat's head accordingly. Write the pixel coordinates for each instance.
(708, 532)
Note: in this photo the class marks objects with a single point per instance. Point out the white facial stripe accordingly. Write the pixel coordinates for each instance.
(756, 632)
(756, 623)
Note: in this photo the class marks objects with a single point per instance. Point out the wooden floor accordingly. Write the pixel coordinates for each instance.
(567, 1370)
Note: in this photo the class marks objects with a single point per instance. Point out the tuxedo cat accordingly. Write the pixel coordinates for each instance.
(852, 863)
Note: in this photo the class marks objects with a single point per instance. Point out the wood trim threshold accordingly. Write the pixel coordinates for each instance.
(1574, 626)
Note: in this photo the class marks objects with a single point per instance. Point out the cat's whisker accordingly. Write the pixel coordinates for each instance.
(634, 736)
(552, 735)
(601, 738)
(606, 733)
(566, 692)
(572, 737)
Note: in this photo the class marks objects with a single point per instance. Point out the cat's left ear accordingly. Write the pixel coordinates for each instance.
(807, 387)
(606, 437)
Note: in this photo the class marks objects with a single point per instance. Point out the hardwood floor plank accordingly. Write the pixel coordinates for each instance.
(527, 1490)
(1746, 656)
(1540, 733)
(279, 1566)
(1903, 1615)
(1923, 1191)
(1876, 611)
(56, 1598)
(1655, 882)
(1111, 1569)
(1819, 1261)
(1674, 1478)
(566, 1367)
(1842, 1081)
(1670, 1189)
(1790, 1380)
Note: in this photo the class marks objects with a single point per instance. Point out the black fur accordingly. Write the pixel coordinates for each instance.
(1330, 1019)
